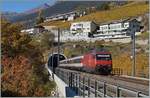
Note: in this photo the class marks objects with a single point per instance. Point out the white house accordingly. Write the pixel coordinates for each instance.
(118, 29)
(66, 16)
(30, 31)
(84, 27)
(108, 31)
(71, 17)
(34, 30)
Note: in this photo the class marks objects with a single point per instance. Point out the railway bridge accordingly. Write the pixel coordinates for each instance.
(71, 83)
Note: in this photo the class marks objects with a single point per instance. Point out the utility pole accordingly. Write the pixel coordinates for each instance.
(52, 62)
(133, 53)
(58, 47)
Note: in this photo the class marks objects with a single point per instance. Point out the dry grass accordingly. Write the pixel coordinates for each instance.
(124, 62)
(130, 10)
(60, 24)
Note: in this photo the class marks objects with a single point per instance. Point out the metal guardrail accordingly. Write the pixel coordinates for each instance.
(88, 86)
(117, 71)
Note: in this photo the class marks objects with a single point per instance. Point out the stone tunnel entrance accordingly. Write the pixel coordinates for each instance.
(52, 61)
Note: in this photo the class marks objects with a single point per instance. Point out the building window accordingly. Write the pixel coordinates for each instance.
(79, 25)
(79, 29)
(73, 30)
(115, 30)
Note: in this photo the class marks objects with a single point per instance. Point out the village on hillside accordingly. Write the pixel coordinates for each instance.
(113, 30)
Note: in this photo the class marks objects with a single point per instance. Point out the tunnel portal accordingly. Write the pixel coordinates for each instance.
(52, 61)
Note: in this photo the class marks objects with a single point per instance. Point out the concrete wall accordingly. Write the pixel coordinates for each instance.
(60, 84)
(63, 89)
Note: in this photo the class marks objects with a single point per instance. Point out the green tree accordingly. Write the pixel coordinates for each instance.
(39, 19)
(80, 8)
(104, 6)
(47, 40)
(43, 40)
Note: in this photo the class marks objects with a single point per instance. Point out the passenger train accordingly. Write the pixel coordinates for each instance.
(99, 62)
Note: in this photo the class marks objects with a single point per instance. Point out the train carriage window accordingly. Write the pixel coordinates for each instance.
(69, 61)
(63, 62)
(77, 61)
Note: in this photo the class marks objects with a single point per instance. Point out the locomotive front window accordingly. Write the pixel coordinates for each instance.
(103, 57)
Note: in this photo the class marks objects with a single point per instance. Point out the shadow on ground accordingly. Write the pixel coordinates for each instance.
(8, 93)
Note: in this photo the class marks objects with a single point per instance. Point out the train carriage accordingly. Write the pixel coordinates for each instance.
(72, 63)
(94, 61)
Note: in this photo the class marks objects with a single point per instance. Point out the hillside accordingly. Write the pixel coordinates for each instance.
(8, 14)
(60, 7)
(132, 9)
(35, 10)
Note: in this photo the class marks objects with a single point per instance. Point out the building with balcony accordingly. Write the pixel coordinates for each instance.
(84, 27)
(118, 29)
(34, 30)
(66, 16)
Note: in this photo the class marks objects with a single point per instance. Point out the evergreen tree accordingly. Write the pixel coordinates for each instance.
(104, 6)
(39, 19)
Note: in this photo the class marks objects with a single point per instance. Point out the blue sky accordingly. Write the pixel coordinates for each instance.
(22, 5)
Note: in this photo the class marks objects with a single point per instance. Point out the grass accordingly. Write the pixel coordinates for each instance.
(130, 10)
(60, 24)
(124, 62)
(144, 35)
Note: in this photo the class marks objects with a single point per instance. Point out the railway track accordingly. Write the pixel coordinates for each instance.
(125, 82)
(130, 83)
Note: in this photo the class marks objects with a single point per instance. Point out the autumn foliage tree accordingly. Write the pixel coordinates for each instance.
(23, 71)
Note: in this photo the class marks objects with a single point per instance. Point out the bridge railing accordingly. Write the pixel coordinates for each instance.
(117, 71)
(91, 87)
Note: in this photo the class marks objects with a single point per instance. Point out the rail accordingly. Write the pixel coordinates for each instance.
(91, 87)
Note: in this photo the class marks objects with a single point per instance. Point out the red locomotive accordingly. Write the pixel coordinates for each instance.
(99, 62)
(95, 62)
